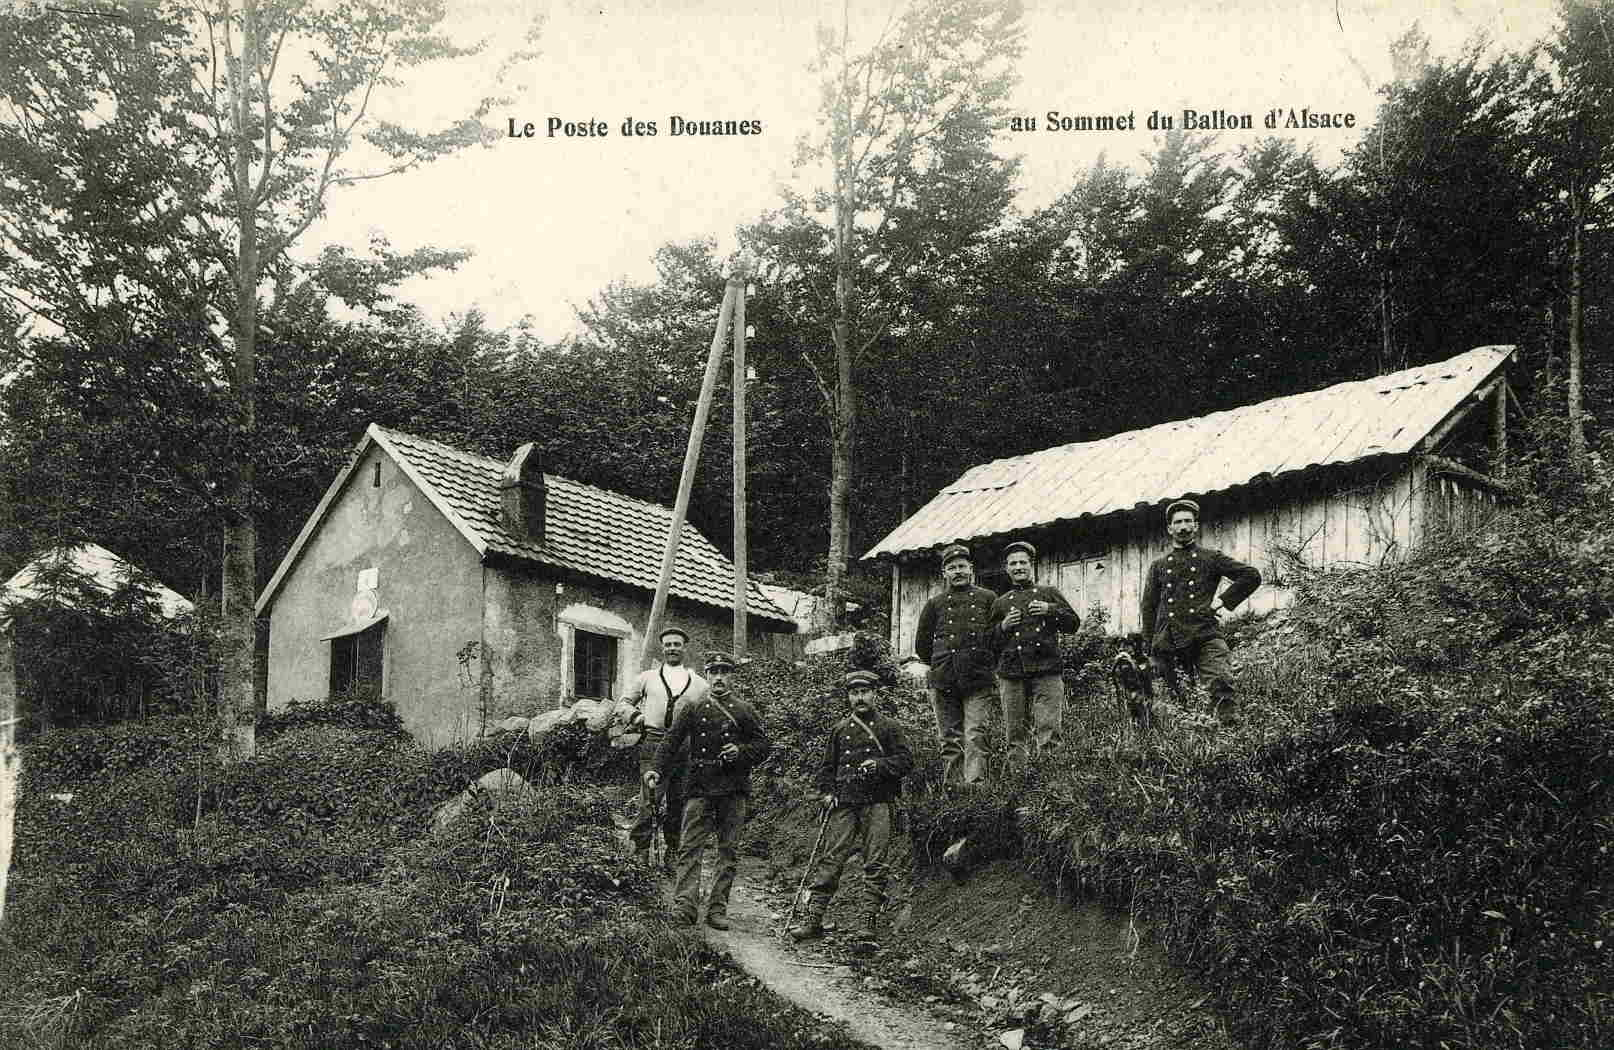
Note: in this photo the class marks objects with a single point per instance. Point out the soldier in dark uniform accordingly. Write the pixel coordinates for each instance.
(1180, 605)
(952, 637)
(860, 777)
(1026, 622)
(725, 742)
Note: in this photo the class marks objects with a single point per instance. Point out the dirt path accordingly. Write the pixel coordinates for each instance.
(823, 987)
(970, 963)
(826, 988)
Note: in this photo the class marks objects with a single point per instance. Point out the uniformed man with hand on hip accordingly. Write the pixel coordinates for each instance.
(726, 741)
(952, 636)
(1180, 606)
(860, 779)
(1027, 620)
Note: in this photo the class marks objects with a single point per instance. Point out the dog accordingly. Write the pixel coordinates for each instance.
(1134, 682)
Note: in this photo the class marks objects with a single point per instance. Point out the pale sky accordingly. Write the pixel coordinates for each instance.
(552, 220)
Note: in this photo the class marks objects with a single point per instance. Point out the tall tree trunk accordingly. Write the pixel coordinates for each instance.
(238, 708)
(10, 758)
(1577, 429)
(843, 426)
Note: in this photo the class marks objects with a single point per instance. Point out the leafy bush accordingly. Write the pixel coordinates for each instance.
(293, 901)
(1407, 844)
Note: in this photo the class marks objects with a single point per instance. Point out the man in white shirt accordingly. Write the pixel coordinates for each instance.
(651, 702)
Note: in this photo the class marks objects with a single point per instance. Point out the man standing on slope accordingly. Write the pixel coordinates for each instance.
(952, 637)
(726, 741)
(652, 702)
(1026, 623)
(1180, 605)
(860, 778)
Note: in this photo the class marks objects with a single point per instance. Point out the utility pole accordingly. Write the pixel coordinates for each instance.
(733, 308)
(686, 481)
(741, 578)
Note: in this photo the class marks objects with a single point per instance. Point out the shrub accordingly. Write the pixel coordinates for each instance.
(305, 909)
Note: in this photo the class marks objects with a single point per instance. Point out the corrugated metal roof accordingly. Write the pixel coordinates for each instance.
(105, 569)
(587, 529)
(1385, 415)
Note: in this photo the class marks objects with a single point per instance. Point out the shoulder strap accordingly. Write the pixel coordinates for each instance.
(726, 712)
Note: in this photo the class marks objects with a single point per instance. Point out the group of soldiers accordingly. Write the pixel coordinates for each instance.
(702, 739)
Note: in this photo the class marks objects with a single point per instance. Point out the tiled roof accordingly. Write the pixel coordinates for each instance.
(105, 569)
(587, 529)
(1383, 416)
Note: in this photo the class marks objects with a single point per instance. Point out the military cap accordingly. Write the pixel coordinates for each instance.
(1019, 545)
(854, 679)
(956, 550)
(679, 631)
(1181, 504)
(718, 658)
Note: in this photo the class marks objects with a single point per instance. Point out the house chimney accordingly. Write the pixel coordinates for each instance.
(522, 495)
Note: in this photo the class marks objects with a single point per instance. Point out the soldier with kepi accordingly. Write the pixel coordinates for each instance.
(952, 637)
(860, 778)
(1027, 621)
(1180, 607)
(725, 741)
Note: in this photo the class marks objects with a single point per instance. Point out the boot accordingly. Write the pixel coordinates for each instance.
(873, 908)
(811, 924)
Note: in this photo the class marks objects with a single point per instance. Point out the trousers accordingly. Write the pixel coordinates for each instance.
(709, 821)
(961, 717)
(1033, 712)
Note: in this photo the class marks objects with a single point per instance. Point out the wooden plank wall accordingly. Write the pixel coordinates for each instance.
(1365, 517)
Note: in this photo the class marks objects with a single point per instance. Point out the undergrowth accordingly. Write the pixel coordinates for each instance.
(1406, 843)
(298, 900)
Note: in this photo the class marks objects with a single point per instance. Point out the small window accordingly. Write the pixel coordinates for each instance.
(356, 660)
(594, 665)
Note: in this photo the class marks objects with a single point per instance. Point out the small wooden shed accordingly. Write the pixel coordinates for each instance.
(1356, 473)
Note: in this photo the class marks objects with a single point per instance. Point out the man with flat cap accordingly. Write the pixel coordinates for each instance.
(649, 705)
(725, 741)
(1180, 605)
(1026, 623)
(860, 778)
(953, 637)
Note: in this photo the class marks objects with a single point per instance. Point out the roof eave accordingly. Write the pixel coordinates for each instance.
(498, 557)
(1258, 481)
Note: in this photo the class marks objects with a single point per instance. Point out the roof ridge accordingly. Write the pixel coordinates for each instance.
(1250, 407)
(501, 464)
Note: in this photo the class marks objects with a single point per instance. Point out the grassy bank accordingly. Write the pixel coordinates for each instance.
(295, 901)
(1407, 841)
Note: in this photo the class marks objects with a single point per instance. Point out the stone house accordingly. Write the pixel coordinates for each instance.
(1355, 473)
(465, 590)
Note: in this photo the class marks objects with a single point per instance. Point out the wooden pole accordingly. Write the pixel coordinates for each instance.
(686, 480)
(741, 579)
(1499, 430)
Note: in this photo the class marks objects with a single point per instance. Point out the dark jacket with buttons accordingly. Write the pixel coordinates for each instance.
(954, 637)
(704, 727)
(1175, 612)
(849, 746)
(1030, 647)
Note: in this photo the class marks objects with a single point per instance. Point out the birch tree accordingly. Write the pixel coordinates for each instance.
(907, 126)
